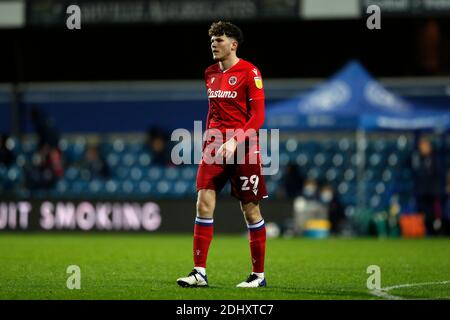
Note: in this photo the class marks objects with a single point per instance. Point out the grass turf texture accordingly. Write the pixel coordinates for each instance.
(33, 266)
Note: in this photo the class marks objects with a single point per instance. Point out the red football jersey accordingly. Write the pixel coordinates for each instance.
(229, 94)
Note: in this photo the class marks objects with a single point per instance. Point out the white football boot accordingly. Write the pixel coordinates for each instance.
(253, 281)
(194, 279)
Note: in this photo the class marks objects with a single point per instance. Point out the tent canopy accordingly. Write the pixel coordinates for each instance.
(352, 99)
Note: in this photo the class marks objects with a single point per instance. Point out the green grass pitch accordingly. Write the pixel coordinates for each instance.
(139, 266)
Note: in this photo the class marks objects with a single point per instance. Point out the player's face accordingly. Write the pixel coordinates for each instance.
(222, 47)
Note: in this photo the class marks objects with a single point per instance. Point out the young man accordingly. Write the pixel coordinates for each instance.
(236, 101)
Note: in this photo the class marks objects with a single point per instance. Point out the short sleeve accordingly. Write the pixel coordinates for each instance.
(255, 87)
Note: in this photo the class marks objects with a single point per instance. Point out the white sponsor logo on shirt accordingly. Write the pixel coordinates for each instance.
(221, 94)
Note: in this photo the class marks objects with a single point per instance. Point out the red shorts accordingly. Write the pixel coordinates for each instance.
(247, 182)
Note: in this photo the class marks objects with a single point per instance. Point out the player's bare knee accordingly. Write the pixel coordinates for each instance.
(205, 208)
(251, 212)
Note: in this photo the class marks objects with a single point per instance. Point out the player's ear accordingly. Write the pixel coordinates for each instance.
(234, 45)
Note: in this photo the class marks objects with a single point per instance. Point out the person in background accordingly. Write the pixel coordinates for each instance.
(7, 157)
(292, 181)
(46, 168)
(47, 164)
(426, 170)
(310, 189)
(336, 213)
(45, 128)
(95, 163)
(157, 143)
(446, 213)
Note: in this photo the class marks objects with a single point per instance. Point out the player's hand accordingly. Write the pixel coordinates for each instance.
(228, 148)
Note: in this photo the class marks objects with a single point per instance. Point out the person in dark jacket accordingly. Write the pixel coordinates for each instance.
(427, 171)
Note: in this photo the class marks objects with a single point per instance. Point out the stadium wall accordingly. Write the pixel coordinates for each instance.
(162, 215)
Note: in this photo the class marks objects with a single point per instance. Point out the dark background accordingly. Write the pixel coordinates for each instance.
(281, 49)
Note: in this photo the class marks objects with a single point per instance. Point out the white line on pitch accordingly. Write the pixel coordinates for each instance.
(383, 292)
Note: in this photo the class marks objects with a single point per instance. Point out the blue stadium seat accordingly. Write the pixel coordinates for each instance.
(333, 174)
(28, 148)
(79, 187)
(164, 187)
(387, 175)
(393, 160)
(112, 186)
(122, 172)
(188, 172)
(403, 144)
(128, 187)
(135, 147)
(329, 146)
(14, 174)
(144, 159)
(106, 147)
(136, 173)
(375, 202)
(112, 159)
(320, 159)
(96, 186)
(144, 187)
(346, 145)
(350, 175)
(62, 186)
(181, 188)
(21, 160)
(284, 159)
(303, 160)
(376, 160)
(338, 160)
(13, 144)
(316, 173)
(75, 150)
(118, 146)
(154, 173)
(289, 146)
(171, 173)
(127, 159)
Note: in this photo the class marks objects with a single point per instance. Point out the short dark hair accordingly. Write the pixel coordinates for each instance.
(221, 28)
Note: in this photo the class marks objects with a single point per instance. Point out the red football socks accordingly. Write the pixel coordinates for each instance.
(203, 233)
(257, 237)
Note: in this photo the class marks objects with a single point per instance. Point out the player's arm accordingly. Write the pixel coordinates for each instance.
(255, 122)
(255, 93)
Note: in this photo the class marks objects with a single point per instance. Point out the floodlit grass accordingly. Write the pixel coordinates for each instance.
(124, 266)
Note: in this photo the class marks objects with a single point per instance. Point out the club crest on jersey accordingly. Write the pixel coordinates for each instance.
(258, 82)
(232, 81)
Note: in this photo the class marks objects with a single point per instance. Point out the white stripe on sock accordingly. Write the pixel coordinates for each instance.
(256, 225)
(201, 220)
